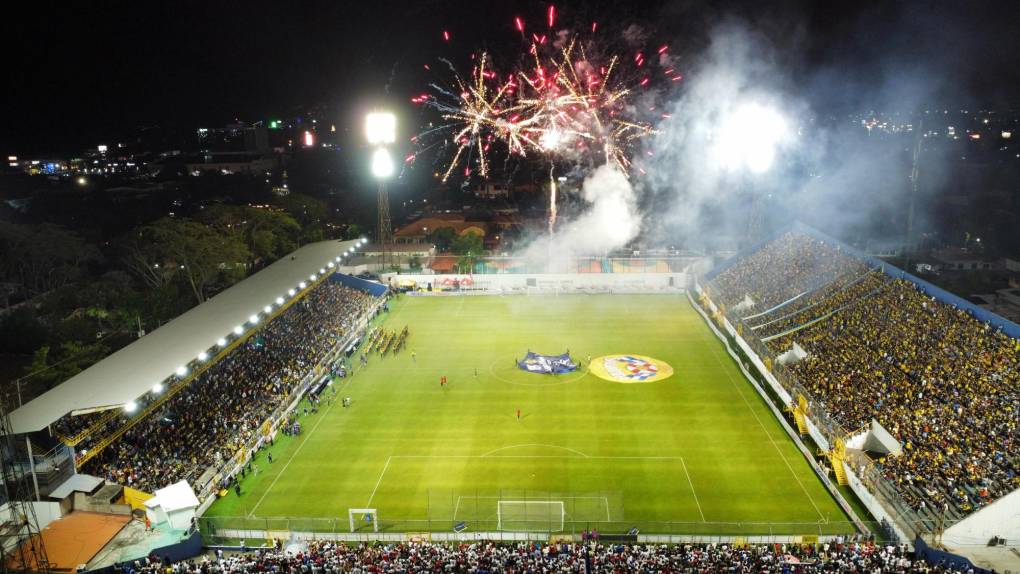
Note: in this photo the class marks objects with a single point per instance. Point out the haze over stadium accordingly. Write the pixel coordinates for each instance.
(474, 287)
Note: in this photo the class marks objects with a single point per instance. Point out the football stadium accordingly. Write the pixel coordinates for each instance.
(653, 287)
(797, 403)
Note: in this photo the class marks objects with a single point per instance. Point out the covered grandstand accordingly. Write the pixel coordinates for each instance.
(914, 393)
(191, 401)
(134, 370)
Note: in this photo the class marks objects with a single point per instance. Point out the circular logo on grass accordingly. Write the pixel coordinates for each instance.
(630, 369)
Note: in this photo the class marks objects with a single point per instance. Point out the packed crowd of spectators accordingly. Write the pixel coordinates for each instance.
(818, 304)
(945, 384)
(523, 557)
(791, 265)
(205, 422)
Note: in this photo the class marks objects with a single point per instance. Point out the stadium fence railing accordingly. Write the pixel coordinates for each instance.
(228, 530)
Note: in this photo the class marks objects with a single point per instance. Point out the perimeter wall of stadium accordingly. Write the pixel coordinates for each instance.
(536, 283)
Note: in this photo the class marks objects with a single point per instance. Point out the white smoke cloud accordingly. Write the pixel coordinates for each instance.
(699, 194)
(727, 138)
(609, 222)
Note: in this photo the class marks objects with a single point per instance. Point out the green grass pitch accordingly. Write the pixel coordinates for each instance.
(697, 453)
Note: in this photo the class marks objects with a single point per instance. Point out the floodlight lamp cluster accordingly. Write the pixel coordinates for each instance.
(381, 131)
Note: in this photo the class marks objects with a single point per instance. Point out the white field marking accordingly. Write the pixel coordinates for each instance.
(378, 482)
(764, 429)
(291, 459)
(592, 457)
(430, 369)
(348, 382)
(581, 373)
(491, 452)
(693, 491)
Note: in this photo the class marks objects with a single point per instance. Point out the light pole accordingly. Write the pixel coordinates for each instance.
(381, 130)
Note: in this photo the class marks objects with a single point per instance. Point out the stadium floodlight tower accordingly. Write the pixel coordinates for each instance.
(747, 141)
(381, 131)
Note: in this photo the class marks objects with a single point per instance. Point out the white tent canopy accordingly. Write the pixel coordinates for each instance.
(796, 354)
(132, 371)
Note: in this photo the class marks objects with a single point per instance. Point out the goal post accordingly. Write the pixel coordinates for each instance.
(530, 515)
(365, 515)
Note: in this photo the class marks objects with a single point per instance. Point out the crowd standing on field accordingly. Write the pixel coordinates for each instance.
(945, 384)
(524, 557)
(222, 409)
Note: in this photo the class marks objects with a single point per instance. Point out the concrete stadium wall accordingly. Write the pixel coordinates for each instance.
(553, 282)
(45, 513)
(999, 519)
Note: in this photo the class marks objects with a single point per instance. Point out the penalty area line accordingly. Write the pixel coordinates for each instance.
(693, 491)
(378, 482)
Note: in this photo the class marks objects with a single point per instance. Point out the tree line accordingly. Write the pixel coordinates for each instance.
(69, 302)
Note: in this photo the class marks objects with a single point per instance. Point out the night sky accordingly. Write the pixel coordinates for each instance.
(79, 73)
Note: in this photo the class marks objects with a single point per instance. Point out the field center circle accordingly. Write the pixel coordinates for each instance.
(630, 369)
(540, 380)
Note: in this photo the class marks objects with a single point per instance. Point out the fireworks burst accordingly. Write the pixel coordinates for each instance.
(566, 100)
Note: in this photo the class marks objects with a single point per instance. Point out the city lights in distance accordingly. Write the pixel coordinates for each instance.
(309, 139)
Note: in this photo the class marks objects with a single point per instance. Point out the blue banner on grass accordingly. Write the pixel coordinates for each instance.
(547, 364)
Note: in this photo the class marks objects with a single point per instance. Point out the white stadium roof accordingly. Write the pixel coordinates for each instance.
(134, 370)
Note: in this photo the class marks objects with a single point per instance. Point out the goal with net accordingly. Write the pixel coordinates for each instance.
(530, 515)
(363, 517)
